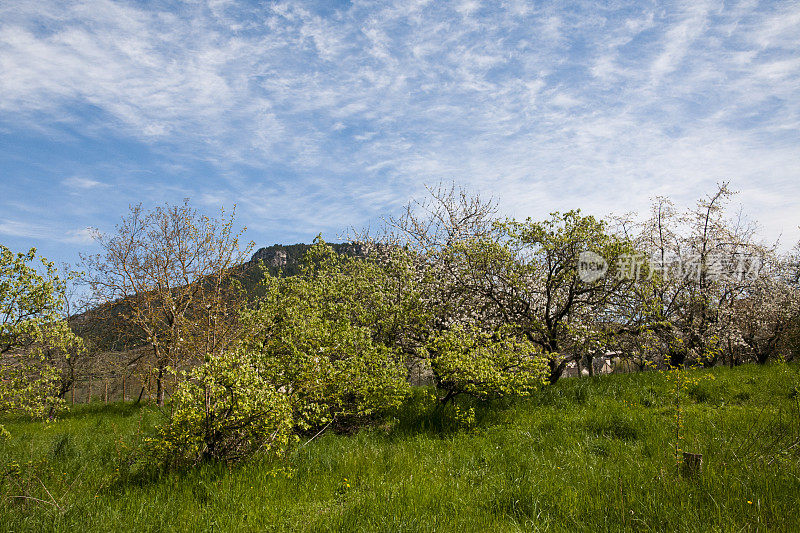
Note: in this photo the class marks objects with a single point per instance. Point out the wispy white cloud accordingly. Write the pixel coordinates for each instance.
(77, 182)
(44, 232)
(313, 118)
(16, 228)
(80, 236)
(679, 39)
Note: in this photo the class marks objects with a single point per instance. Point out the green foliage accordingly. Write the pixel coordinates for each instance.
(226, 409)
(466, 360)
(543, 293)
(32, 329)
(491, 310)
(327, 338)
(308, 357)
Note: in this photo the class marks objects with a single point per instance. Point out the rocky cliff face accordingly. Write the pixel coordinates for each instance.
(277, 255)
(288, 257)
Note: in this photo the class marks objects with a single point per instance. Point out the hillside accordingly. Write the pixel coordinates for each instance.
(107, 330)
(592, 454)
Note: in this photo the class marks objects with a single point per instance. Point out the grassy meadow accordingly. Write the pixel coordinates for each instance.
(586, 454)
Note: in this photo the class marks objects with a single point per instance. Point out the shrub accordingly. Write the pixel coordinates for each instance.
(327, 364)
(226, 409)
(306, 359)
(466, 360)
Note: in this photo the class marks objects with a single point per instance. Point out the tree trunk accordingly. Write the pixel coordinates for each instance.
(730, 353)
(160, 387)
(449, 396)
(556, 369)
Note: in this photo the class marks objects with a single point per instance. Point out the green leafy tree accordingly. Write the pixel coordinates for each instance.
(330, 337)
(474, 270)
(32, 329)
(543, 293)
(320, 347)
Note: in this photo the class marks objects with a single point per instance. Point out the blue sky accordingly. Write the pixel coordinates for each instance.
(314, 117)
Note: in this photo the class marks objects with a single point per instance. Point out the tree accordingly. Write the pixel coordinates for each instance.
(433, 231)
(764, 316)
(706, 266)
(330, 339)
(31, 323)
(171, 274)
(318, 348)
(545, 294)
(792, 336)
(710, 290)
(476, 271)
(78, 359)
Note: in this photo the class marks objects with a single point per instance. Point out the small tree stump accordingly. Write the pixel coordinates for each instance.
(692, 464)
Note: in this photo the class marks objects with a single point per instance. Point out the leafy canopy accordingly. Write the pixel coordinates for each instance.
(31, 321)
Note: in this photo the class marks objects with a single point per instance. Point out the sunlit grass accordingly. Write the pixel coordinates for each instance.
(583, 455)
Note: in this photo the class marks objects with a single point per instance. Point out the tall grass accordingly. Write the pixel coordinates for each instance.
(583, 455)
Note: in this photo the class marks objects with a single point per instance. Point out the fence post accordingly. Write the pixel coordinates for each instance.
(123, 389)
(105, 394)
(90, 390)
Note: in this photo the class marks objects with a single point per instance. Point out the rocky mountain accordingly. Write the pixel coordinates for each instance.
(287, 258)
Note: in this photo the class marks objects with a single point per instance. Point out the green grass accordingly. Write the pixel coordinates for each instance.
(583, 455)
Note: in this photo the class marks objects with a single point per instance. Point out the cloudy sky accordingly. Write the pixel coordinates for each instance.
(314, 117)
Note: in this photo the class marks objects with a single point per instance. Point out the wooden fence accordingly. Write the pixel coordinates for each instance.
(109, 389)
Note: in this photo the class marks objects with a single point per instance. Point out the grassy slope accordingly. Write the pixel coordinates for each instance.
(583, 455)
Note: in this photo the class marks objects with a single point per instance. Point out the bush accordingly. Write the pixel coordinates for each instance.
(317, 336)
(466, 360)
(306, 359)
(226, 409)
